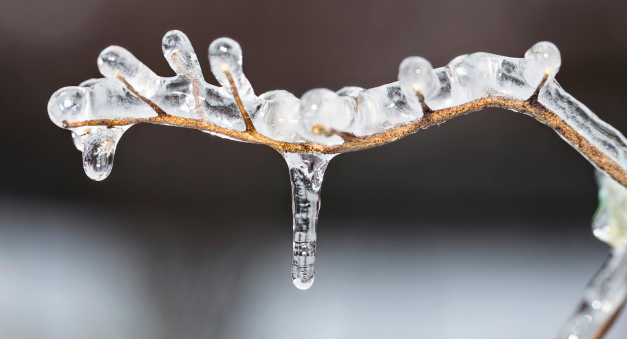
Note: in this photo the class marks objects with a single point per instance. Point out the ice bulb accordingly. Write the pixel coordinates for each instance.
(416, 75)
(67, 105)
(180, 54)
(98, 152)
(322, 108)
(540, 60)
(225, 55)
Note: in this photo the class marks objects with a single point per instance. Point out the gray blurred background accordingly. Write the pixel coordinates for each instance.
(479, 228)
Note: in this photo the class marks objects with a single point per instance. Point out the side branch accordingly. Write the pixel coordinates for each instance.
(249, 123)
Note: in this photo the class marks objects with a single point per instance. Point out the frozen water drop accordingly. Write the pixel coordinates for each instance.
(98, 152)
(116, 62)
(304, 283)
(416, 74)
(77, 141)
(306, 173)
(324, 108)
(541, 59)
(280, 116)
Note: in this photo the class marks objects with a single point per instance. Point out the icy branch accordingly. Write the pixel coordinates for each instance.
(323, 121)
(311, 130)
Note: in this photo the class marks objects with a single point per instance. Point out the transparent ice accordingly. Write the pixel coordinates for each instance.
(306, 172)
(130, 93)
(607, 292)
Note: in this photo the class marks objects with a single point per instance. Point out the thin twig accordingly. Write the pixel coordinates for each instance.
(249, 123)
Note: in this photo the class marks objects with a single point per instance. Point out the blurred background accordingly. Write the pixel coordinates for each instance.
(478, 228)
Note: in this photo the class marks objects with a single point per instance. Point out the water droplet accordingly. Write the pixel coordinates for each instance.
(306, 173)
(77, 141)
(98, 152)
(416, 74)
(324, 107)
(542, 58)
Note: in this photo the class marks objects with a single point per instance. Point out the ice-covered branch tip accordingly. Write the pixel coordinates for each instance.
(322, 121)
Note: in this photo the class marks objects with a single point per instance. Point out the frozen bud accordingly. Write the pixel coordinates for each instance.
(322, 110)
(281, 114)
(416, 75)
(68, 104)
(277, 94)
(98, 152)
(180, 54)
(540, 60)
(225, 55)
(118, 63)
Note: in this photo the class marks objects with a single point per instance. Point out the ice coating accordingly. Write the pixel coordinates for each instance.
(98, 111)
(285, 118)
(610, 220)
(306, 172)
(602, 301)
(607, 292)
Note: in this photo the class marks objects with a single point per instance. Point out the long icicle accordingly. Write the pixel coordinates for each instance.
(306, 172)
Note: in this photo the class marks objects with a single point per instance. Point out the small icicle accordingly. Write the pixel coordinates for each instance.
(99, 150)
(306, 172)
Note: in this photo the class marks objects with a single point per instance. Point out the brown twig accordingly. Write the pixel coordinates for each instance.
(249, 123)
(181, 69)
(421, 98)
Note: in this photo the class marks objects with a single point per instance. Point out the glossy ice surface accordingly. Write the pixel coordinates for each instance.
(610, 220)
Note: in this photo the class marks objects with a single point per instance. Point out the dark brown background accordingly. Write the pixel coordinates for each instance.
(174, 188)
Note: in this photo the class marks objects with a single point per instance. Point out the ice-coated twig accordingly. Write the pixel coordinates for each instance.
(606, 294)
(326, 122)
(309, 131)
